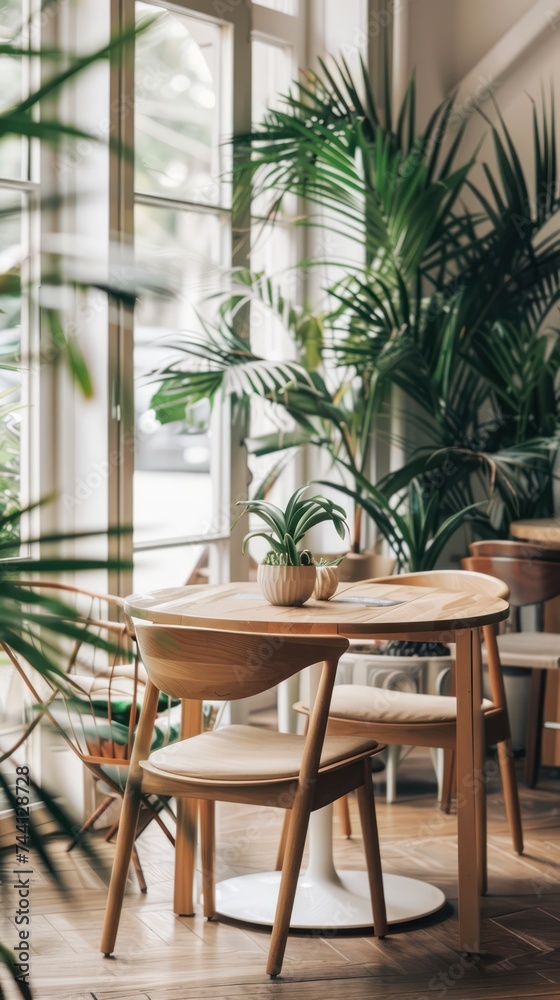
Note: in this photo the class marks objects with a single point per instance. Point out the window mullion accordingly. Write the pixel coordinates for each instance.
(120, 363)
(228, 563)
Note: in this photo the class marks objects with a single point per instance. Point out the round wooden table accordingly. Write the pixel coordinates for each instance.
(542, 530)
(339, 899)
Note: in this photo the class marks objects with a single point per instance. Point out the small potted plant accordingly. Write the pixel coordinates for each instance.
(327, 578)
(288, 575)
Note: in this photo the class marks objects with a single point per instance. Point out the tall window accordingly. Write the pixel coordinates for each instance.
(194, 67)
(18, 190)
(182, 228)
(18, 332)
(274, 252)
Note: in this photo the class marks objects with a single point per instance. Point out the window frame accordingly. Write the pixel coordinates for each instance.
(229, 465)
(29, 189)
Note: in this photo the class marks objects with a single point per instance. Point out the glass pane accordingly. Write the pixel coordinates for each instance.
(273, 73)
(186, 247)
(273, 253)
(12, 148)
(179, 117)
(349, 34)
(160, 568)
(11, 251)
(172, 486)
(283, 6)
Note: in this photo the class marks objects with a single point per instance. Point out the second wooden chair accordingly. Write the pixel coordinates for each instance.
(395, 717)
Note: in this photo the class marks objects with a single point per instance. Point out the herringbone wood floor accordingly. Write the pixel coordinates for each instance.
(162, 957)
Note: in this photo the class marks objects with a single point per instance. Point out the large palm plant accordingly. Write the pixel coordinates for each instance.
(333, 402)
(450, 303)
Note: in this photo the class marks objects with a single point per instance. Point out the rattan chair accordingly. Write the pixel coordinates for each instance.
(94, 704)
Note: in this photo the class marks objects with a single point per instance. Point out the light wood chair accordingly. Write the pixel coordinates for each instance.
(533, 577)
(410, 719)
(242, 763)
(511, 549)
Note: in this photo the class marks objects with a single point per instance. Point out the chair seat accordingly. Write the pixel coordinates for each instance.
(245, 753)
(131, 670)
(529, 649)
(106, 688)
(369, 704)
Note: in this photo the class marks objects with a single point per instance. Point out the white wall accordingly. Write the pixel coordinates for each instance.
(446, 38)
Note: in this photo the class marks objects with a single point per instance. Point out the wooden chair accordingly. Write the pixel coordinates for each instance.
(531, 579)
(409, 719)
(94, 705)
(243, 763)
(510, 549)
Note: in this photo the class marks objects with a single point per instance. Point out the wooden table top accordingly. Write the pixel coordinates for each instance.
(545, 530)
(357, 609)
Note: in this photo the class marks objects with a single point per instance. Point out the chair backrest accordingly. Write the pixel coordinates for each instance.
(452, 579)
(469, 580)
(195, 663)
(94, 704)
(530, 581)
(365, 565)
(203, 663)
(511, 549)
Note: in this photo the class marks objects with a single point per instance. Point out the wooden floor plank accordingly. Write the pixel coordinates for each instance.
(160, 956)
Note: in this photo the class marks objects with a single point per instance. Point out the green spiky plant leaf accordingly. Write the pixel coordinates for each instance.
(286, 529)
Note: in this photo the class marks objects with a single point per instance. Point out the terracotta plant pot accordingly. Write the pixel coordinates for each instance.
(287, 586)
(327, 582)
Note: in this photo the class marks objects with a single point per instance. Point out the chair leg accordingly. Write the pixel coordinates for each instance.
(366, 804)
(128, 820)
(344, 816)
(91, 820)
(482, 834)
(185, 857)
(208, 852)
(393, 757)
(436, 757)
(139, 871)
(449, 780)
(156, 816)
(121, 864)
(283, 839)
(295, 844)
(534, 727)
(511, 794)
(112, 831)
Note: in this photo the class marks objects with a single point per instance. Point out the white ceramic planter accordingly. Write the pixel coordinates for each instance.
(327, 582)
(378, 670)
(287, 586)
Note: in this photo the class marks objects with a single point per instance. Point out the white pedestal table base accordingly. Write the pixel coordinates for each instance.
(323, 904)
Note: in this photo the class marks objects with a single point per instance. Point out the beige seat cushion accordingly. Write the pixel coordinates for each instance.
(529, 649)
(369, 704)
(103, 688)
(131, 670)
(245, 753)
